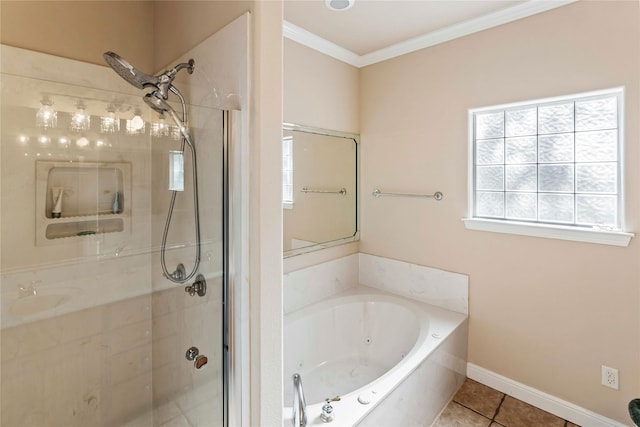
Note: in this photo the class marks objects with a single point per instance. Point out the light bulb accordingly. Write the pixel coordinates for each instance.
(46, 116)
(110, 123)
(136, 125)
(80, 121)
(82, 142)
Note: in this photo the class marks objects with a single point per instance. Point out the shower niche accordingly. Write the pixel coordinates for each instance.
(75, 200)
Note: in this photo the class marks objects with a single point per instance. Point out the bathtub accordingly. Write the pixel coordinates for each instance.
(392, 361)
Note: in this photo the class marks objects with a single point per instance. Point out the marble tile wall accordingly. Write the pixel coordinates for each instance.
(105, 365)
(312, 284)
(433, 286)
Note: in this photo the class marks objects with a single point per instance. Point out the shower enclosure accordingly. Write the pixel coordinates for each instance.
(92, 332)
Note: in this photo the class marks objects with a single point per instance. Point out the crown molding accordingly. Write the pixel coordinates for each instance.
(306, 38)
(462, 29)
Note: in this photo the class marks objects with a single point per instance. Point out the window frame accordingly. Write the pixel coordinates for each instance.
(541, 229)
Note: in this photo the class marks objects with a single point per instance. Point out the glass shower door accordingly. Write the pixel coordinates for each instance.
(186, 324)
(92, 334)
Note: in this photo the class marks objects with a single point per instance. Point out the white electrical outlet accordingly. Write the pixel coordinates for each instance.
(610, 377)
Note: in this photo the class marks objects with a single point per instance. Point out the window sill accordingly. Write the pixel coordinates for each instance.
(615, 238)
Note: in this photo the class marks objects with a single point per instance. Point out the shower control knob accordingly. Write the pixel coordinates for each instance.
(200, 361)
(199, 287)
(192, 353)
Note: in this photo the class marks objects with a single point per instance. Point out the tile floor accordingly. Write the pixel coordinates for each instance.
(476, 405)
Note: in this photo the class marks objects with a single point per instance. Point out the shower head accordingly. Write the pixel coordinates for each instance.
(162, 82)
(128, 72)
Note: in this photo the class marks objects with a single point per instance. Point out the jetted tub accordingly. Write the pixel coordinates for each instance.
(364, 346)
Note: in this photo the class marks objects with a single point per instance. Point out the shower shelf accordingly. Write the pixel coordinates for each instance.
(84, 228)
(87, 202)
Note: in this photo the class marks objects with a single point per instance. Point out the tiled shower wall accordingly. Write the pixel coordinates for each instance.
(105, 365)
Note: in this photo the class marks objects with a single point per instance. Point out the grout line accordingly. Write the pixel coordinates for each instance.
(472, 410)
(504, 396)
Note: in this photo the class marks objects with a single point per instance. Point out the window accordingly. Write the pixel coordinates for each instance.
(287, 172)
(550, 167)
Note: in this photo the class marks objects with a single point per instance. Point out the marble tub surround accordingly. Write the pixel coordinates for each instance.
(425, 284)
(431, 285)
(312, 284)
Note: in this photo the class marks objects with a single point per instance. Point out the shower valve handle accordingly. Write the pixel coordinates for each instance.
(200, 361)
(199, 287)
(193, 355)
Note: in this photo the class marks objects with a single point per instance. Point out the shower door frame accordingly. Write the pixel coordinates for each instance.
(226, 312)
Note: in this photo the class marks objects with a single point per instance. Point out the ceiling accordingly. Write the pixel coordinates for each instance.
(374, 30)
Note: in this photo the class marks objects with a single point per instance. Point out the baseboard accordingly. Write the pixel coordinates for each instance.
(539, 399)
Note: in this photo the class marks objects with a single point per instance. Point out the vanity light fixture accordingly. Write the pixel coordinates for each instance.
(160, 128)
(339, 5)
(80, 120)
(110, 123)
(46, 116)
(136, 125)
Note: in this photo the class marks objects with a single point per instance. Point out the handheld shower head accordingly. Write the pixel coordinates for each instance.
(128, 72)
(156, 102)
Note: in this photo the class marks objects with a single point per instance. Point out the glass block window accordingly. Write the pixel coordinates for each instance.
(553, 161)
(287, 171)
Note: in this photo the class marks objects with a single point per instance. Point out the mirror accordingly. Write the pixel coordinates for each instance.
(320, 180)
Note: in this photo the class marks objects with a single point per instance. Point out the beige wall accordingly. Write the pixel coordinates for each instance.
(81, 30)
(265, 221)
(547, 313)
(150, 34)
(181, 24)
(319, 90)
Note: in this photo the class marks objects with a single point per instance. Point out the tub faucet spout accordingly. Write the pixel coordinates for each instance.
(299, 403)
